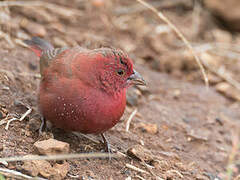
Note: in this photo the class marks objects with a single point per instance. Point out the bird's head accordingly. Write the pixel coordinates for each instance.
(116, 72)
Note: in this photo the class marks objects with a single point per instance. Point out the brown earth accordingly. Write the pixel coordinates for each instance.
(197, 128)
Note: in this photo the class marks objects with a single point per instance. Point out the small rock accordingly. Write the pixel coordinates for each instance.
(35, 167)
(33, 125)
(29, 140)
(43, 167)
(198, 134)
(22, 107)
(98, 3)
(227, 90)
(61, 169)
(33, 28)
(190, 120)
(176, 93)
(169, 154)
(222, 36)
(59, 42)
(57, 27)
(141, 154)
(211, 59)
(162, 165)
(89, 175)
(51, 146)
(228, 11)
(148, 127)
(213, 79)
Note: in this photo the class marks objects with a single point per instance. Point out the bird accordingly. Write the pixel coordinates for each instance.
(81, 89)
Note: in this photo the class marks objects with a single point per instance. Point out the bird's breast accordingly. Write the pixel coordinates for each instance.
(76, 107)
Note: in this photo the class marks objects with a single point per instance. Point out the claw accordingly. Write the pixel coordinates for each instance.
(107, 146)
(42, 126)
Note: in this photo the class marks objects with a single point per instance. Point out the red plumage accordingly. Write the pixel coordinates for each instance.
(83, 90)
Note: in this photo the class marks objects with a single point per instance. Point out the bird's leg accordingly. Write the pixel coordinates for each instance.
(106, 144)
(43, 125)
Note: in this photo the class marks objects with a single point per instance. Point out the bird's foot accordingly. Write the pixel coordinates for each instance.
(42, 126)
(107, 146)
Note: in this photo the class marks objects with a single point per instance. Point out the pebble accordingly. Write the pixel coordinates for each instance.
(148, 127)
(51, 146)
(34, 28)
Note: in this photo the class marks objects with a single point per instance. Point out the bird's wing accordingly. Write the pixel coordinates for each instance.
(44, 50)
(48, 56)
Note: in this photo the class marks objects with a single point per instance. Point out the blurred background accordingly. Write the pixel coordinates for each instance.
(179, 129)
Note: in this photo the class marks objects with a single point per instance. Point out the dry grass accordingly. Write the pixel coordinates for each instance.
(180, 35)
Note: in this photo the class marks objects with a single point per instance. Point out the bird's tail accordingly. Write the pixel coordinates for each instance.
(38, 45)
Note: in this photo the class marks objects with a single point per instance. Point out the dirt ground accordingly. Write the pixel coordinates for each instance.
(194, 131)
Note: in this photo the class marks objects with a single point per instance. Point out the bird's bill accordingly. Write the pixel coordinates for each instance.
(137, 79)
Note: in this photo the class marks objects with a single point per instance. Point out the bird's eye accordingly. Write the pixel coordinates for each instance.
(121, 61)
(120, 72)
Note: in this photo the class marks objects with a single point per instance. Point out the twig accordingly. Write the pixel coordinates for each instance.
(17, 175)
(140, 177)
(148, 167)
(7, 38)
(20, 119)
(180, 35)
(156, 4)
(223, 75)
(59, 157)
(20, 42)
(130, 119)
(136, 168)
(5, 120)
(176, 172)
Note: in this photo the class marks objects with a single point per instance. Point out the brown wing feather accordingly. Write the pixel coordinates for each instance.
(48, 56)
